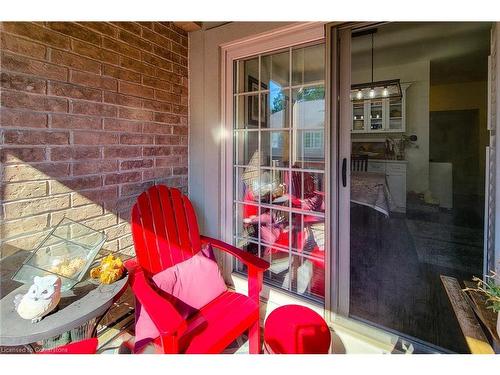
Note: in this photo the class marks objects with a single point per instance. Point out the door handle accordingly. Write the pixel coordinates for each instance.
(344, 172)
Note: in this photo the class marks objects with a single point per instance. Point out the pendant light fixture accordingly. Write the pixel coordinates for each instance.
(374, 89)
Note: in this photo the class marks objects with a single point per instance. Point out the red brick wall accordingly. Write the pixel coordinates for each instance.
(92, 114)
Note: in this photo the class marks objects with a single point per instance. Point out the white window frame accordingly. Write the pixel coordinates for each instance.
(280, 38)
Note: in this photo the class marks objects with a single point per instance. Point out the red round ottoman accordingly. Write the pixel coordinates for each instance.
(294, 329)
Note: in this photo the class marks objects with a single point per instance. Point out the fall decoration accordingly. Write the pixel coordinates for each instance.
(109, 270)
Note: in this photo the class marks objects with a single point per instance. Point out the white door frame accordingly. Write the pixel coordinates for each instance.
(340, 120)
(294, 34)
(493, 262)
(344, 180)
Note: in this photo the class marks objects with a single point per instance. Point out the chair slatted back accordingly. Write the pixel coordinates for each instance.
(359, 163)
(164, 228)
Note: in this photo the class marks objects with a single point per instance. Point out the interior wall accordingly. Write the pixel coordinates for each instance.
(205, 117)
(462, 96)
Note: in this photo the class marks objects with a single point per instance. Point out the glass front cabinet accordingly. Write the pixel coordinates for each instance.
(386, 115)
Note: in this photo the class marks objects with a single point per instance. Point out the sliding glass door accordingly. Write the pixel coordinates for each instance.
(414, 194)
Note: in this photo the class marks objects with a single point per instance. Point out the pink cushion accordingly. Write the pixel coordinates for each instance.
(188, 285)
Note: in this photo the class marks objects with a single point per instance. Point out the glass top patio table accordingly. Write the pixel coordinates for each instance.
(86, 302)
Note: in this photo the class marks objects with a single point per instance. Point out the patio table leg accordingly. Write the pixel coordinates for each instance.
(82, 332)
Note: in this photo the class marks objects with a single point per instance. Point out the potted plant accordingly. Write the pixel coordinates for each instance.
(491, 289)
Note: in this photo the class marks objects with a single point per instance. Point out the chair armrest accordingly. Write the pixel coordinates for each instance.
(248, 259)
(162, 312)
(256, 266)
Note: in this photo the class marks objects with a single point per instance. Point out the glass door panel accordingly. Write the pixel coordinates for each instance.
(420, 217)
(279, 192)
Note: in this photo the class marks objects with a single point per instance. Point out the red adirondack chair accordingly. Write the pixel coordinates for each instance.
(165, 232)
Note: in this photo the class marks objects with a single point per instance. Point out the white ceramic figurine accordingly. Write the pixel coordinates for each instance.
(42, 297)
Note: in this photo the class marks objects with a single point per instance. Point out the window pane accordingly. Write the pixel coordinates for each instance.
(308, 119)
(274, 184)
(307, 190)
(275, 109)
(275, 70)
(308, 275)
(249, 246)
(274, 230)
(246, 112)
(279, 261)
(246, 147)
(308, 65)
(275, 146)
(308, 266)
(309, 150)
(246, 184)
(246, 221)
(248, 75)
(308, 109)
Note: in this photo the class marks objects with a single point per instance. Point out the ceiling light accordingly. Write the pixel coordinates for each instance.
(375, 89)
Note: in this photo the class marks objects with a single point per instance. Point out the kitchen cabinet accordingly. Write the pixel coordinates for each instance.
(395, 175)
(386, 115)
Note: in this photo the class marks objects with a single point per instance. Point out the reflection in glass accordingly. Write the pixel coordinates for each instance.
(279, 213)
(275, 109)
(307, 191)
(249, 246)
(278, 270)
(274, 184)
(275, 69)
(275, 146)
(246, 183)
(246, 220)
(248, 78)
(308, 234)
(309, 150)
(274, 230)
(246, 147)
(308, 123)
(308, 65)
(308, 275)
(309, 107)
(246, 112)
(308, 266)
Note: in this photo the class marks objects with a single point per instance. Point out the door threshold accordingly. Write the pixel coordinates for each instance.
(405, 342)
